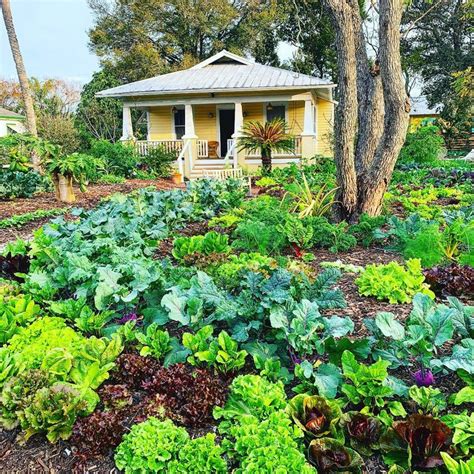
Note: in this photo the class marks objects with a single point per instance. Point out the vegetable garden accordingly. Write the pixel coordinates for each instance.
(203, 330)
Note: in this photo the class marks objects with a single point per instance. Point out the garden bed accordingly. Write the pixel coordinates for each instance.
(47, 201)
(221, 316)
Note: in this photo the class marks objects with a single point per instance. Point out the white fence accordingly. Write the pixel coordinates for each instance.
(176, 146)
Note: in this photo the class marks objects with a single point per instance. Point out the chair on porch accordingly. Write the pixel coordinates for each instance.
(212, 147)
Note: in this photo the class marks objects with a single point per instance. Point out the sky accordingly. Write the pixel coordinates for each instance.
(53, 40)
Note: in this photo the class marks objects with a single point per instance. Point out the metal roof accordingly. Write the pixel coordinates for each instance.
(5, 113)
(222, 72)
(419, 106)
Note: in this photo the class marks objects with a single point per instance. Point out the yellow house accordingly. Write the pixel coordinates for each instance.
(199, 112)
(421, 113)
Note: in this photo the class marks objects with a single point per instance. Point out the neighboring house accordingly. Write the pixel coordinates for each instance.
(11, 122)
(421, 113)
(199, 111)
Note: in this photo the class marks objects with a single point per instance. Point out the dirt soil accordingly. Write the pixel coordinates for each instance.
(87, 200)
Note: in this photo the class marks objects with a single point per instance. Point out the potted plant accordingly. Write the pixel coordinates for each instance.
(67, 169)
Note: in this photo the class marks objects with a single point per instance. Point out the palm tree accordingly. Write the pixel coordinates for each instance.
(20, 68)
(266, 138)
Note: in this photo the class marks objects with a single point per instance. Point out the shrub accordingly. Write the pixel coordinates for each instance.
(160, 446)
(393, 282)
(422, 146)
(17, 184)
(159, 162)
(119, 159)
(334, 237)
(59, 130)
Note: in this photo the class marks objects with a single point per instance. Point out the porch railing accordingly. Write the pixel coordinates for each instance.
(203, 149)
(143, 146)
(278, 154)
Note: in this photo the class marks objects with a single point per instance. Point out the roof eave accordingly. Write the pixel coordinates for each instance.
(104, 94)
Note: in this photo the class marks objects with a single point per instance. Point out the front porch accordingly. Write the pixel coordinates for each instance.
(204, 132)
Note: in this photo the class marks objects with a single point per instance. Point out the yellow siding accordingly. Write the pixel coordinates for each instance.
(296, 117)
(324, 124)
(253, 111)
(161, 123)
(205, 126)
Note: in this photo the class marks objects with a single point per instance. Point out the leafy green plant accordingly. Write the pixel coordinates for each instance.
(268, 445)
(430, 400)
(22, 219)
(252, 395)
(221, 352)
(154, 342)
(120, 159)
(160, 446)
(334, 237)
(297, 233)
(212, 242)
(19, 184)
(16, 312)
(369, 385)
(463, 426)
(325, 378)
(257, 236)
(393, 281)
(458, 467)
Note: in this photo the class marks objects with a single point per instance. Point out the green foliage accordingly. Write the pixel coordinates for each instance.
(160, 446)
(221, 352)
(119, 159)
(334, 237)
(22, 219)
(18, 184)
(257, 236)
(423, 145)
(154, 342)
(463, 426)
(16, 312)
(430, 400)
(252, 395)
(364, 230)
(75, 366)
(270, 445)
(212, 242)
(458, 467)
(158, 161)
(296, 232)
(393, 281)
(369, 385)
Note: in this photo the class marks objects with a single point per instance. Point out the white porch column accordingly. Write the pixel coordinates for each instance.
(239, 156)
(127, 128)
(308, 136)
(189, 140)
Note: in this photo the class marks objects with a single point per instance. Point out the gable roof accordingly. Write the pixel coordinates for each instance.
(222, 72)
(5, 113)
(419, 106)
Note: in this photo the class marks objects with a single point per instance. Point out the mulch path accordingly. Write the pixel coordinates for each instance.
(360, 307)
(87, 200)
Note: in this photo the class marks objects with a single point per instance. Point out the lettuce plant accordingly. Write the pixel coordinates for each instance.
(252, 395)
(16, 312)
(430, 400)
(394, 282)
(160, 446)
(458, 467)
(315, 415)
(212, 242)
(426, 437)
(270, 445)
(330, 455)
(154, 342)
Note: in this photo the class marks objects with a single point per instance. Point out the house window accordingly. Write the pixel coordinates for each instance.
(179, 127)
(276, 111)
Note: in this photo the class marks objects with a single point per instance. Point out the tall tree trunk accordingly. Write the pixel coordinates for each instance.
(372, 114)
(20, 68)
